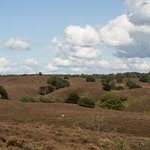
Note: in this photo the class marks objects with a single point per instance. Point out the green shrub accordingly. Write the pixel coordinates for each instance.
(132, 85)
(62, 84)
(3, 93)
(106, 87)
(48, 100)
(52, 80)
(58, 82)
(112, 85)
(27, 98)
(43, 90)
(90, 79)
(145, 78)
(73, 98)
(112, 101)
(86, 102)
(119, 87)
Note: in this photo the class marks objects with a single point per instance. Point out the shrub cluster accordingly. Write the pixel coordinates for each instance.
(58, 82)
(108, 85)
(90, 79)
(84, 101)
(27, 98)
(73, 98)
(30, 99)
(43, 90)
(132, 85)
(3, 93)
(48, 100)
(112, 101)
(145, 78)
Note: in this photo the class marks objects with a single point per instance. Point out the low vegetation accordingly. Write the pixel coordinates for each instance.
(3, 93)
(108, 85)
(132, 85)
(27, 99)
(55, 125)
(58, 82)
(145, 78)
(30, 99)
(86, 102)
(73, 98)
(48, 100)
(90, 79)
(112, 101)
(43, 90)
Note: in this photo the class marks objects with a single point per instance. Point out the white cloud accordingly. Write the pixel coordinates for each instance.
(31, 62)
(117, 32)
(3, 62)
(52, 68)
(4, 65)
(78, 69)
(139, 11)
(17, 44)
(128, 34)
(62, 62)
(113, 65)
(86, 52)
(78, 36)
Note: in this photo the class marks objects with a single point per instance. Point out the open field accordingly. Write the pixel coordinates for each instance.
(38, 126)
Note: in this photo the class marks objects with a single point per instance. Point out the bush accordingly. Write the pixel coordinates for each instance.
(145, 78)
(43, 90)
(132, 85)
(112, 101)
(52, 80)
(48, 100)
(119, 87)
(62, 84)
(86, 102)
(108, 86)
(73, 98)
(90, 79)
(27, 98)
(3, 93)
(58, 82)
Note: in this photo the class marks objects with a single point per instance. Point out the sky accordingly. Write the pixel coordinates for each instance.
(82, 36)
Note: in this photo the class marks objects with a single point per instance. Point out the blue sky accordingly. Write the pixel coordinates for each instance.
(36, 23)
